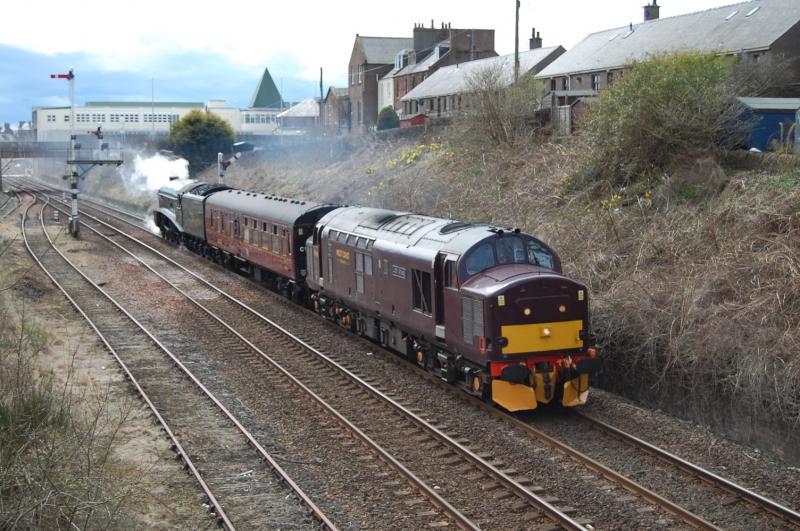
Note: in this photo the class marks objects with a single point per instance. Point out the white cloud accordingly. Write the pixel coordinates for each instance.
(318, 33)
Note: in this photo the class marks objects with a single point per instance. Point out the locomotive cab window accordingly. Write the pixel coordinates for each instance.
(511, 250)
(539, 254)
(421, 291)
(480, 259)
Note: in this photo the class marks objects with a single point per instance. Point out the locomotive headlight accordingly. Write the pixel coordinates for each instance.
(546, 332)
(562, 308)
(526, 311)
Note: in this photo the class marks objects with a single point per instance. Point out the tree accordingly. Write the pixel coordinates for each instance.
(668, 107)
(388, 119)
(198, 137)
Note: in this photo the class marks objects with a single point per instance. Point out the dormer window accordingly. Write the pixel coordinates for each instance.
(401, 60)
(440, 51)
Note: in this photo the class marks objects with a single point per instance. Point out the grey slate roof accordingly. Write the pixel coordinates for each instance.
(382, 50)
(455, 79)
(308, 108)
(722, 29)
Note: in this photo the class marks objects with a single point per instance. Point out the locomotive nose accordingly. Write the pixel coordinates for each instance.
(542, 315)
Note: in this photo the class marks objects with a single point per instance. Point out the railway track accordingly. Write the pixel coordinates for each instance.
(237, 476)
(733, 493)
(494, 497)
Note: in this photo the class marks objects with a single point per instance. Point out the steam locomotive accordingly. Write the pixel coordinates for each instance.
(484, 308)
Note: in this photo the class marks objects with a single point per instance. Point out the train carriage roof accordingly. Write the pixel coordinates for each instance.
(408, 229)
(262, 206)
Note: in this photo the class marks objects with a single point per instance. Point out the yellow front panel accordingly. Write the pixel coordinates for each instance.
(541, 337)
(513, 397)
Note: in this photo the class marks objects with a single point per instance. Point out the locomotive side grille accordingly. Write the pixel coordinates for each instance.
(472, 318)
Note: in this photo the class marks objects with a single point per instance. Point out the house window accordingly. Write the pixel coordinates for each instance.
(610, 79)
(360, 73)
(359, 112)
(421, 291)
(565, 83)
(552, 84)
(595, 82)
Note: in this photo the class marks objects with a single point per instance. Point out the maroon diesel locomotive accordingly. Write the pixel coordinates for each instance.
(484, 308)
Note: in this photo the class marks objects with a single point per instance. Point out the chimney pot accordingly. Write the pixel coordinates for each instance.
(535, 41)
(651, 11)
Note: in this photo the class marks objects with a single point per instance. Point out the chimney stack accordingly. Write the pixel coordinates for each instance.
(535, 40)
(651, 11)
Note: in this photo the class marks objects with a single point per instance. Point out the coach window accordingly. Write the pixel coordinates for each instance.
(367, 264)
(421, 291)
(332, 235)
(236, 230)
(385, 267)
(246, 230)
(276, 241)
(351, 240)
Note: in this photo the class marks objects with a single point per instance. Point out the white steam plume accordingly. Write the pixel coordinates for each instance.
(151, 173)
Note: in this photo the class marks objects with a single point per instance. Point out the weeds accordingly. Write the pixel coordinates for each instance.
(57, 469)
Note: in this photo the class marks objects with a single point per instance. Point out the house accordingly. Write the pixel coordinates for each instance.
(371, 59)
(301, 118)
(774, 121)
(433, 48)
(447, 90)
(754, 31)
(335, 110)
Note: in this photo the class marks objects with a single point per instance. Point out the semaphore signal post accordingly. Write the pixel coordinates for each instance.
(73, 162)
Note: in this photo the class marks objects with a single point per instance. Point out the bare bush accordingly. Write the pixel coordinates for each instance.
(499, 112)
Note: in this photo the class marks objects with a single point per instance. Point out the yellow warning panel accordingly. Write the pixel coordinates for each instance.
(541, 337)
(576, 391)
(513, 397)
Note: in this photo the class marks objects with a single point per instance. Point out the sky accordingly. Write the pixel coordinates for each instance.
(177, 50)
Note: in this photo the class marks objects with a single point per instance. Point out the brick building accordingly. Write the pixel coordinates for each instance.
(371, 59)
(433, 48)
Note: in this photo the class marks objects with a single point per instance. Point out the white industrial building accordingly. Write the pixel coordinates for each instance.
(153, 118)
(140, 119)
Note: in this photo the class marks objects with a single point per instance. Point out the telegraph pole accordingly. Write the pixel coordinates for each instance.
(516, 46)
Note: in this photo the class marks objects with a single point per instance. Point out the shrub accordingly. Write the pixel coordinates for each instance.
(388, 119)
(667, 107)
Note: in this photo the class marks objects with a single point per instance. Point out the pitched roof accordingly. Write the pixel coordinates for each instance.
(266, 94)
(382, 50)
(337, 92)
(455, 79)
(308, 108)
(745, 26)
